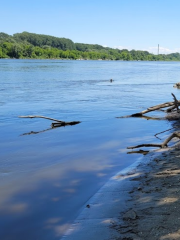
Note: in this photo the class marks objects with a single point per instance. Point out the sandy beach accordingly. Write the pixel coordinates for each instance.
(154, 205)
(142, 204)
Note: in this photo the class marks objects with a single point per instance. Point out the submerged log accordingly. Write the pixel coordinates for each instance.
(162, 145)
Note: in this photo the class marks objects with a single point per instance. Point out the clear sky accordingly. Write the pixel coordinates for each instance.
(131, 24)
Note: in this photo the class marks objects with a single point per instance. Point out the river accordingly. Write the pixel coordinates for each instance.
(47, 177)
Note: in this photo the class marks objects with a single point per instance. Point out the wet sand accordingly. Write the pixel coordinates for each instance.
(140, 204)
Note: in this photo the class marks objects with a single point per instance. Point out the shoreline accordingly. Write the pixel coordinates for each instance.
(140, 202)
(108, 60)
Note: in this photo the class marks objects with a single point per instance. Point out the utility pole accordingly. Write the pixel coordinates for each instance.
(158, 49)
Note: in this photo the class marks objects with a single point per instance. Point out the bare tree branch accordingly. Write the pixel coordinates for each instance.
(175, 102)
(30, 116)
(162, 145)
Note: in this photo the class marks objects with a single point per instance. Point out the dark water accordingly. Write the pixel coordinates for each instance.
(46, 178)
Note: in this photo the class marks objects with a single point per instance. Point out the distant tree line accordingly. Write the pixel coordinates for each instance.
(39, 46)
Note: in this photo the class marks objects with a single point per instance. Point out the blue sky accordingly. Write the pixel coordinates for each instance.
(131, 24)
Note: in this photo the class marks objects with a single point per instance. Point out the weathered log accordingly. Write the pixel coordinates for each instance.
(162, 145)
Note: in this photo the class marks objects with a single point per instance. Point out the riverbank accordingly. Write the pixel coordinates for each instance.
(154, 206)
(142, 203)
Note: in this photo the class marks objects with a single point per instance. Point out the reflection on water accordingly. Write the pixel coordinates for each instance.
(47, 178)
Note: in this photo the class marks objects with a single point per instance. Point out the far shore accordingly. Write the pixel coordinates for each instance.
(67, 59)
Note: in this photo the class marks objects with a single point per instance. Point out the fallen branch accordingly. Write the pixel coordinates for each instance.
(146, 145)
(170, 109)
(177, 85)
(157, 107)
(54, 125)
(173, 105)
(58, 123)
(30, 116)
(163, 131)
(145, 117)
(175, 102)
(162, 145)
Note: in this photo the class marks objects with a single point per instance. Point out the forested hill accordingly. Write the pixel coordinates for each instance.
(39, 46)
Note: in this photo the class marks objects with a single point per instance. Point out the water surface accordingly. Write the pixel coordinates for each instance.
(47, 178)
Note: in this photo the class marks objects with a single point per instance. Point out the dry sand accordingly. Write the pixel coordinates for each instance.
(154, 206)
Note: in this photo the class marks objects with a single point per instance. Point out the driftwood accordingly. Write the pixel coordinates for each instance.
(154, 108)
(30, 116)
(58, 123)
(170, 105)
(170, 109)
(172, 115)
(162, 145)
(163, 132)
(145, 117)
(61, 124)
(177, 85)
